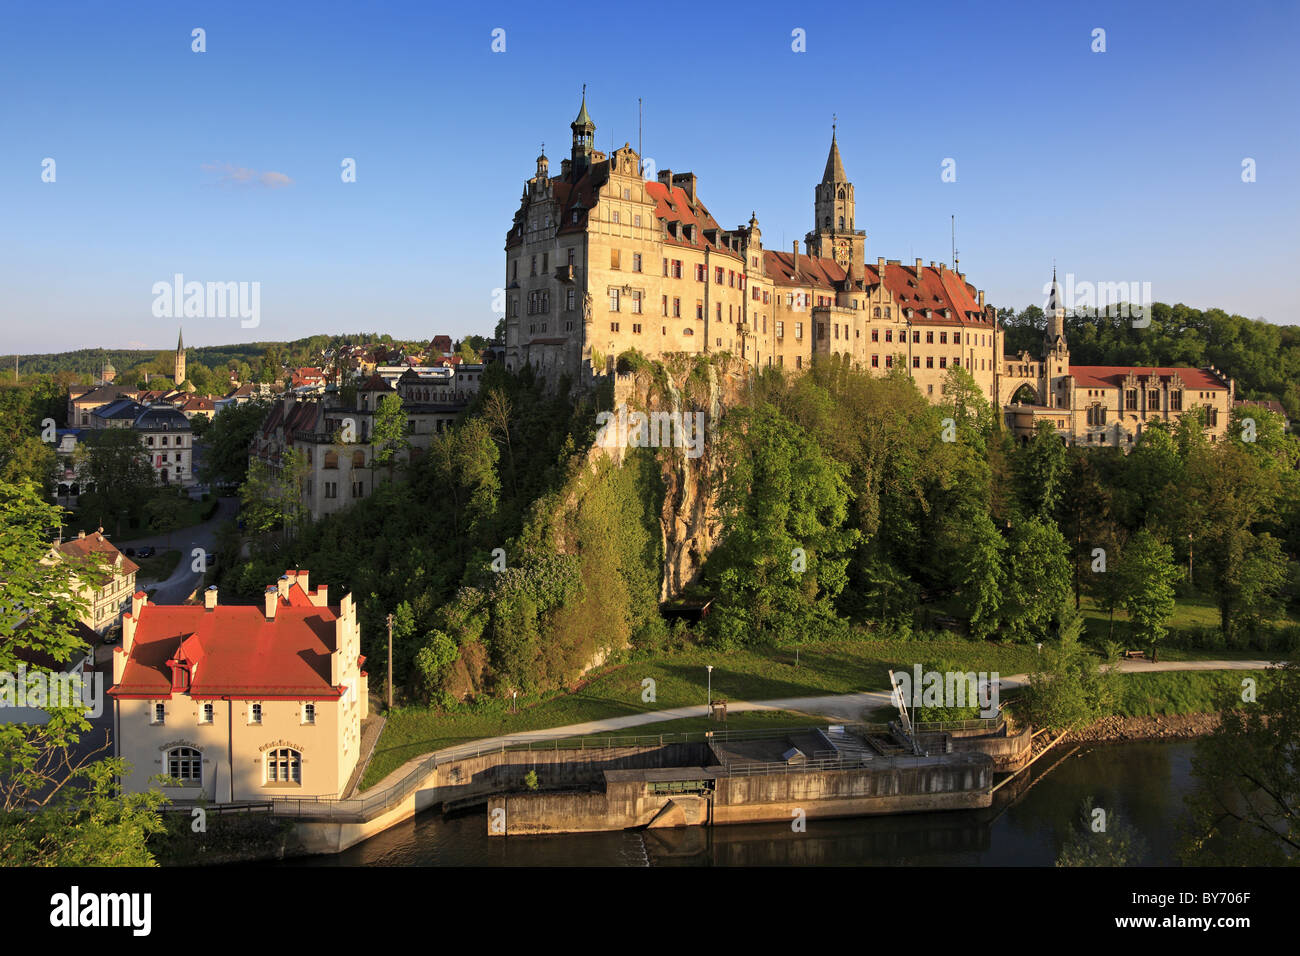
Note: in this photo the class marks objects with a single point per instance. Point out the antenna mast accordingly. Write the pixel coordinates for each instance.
(640, 157)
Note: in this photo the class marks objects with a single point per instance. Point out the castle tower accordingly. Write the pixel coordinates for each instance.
(1053, 388)
(179, 377)
(834, 235)
(584, 138)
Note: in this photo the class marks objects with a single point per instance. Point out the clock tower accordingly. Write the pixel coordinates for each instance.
(834, 235)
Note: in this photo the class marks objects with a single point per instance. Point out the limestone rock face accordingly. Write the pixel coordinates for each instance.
(677, 412)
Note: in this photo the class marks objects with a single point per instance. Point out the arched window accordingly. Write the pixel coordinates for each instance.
(331, 459)
(358, 459)
(185, 765)
(284, 766)
(841, 192)
(876, 312)
(841, 222)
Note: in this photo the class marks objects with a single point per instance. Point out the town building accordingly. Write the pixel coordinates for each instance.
(168, 440)
(104, 602)
(235, 703)
(336, 439)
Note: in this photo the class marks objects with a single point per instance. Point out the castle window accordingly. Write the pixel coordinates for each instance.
(929, 361)
(309, 713)
(636, 262)
(636, 328)
(575, 215)
(699, 272)
(943, 361)
(916, 338)
(613, 300)
(798, 330)
(614, 258)
(876, 312)
(636, 303)
(1175, 401)
(570, 299)
(875, 361)
(614, 218)
(929, 338)
(943, 338)
(699, 308)
(1130, 400)
(255, 714)
(1153, 401)
(886, 311)
(916, 361)
(677, 268)
(889, 361)
(636, 220)
(613, 326)
(875, 335)
(889, 335)
(677, 308)
(205, 714)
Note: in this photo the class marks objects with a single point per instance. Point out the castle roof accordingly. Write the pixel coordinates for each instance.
(1114, 376)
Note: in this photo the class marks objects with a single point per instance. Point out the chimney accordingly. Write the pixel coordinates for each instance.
(210, 599)
(918, 268)
(302, 581)
(981, 300)
(128, 633)
(795, 253)
(139, 600)
(270, 599)
(81, 535)
(666, 177)
(282, 586)
(880, 267)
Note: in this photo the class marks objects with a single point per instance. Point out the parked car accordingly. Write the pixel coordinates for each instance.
(147, 552)
(129, 552)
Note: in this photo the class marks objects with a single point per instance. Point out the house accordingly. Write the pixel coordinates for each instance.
(168, 439)
(235, 703)
(105, 602)
(82, 402)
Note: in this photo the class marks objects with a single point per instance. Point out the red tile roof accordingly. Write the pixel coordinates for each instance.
(932, 289)
(96, 544)
(234, 651)
(1114, 376)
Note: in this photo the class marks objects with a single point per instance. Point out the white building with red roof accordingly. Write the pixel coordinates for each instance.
(234, 703)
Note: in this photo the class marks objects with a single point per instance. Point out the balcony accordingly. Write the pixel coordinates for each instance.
(565, 273)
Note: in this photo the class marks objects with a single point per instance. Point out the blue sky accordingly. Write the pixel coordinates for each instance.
(1123, 165)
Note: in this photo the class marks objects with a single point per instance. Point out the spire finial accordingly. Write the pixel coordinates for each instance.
(834, 122)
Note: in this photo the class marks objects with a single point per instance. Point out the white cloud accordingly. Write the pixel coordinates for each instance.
(229, 175)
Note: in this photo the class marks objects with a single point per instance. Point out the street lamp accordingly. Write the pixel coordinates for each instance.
(708, 711)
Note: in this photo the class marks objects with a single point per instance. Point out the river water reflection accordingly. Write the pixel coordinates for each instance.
(1144, 781)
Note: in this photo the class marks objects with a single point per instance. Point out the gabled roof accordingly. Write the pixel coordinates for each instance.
(96, 546)
(1114, 376)
(234, 650)
(122, 408)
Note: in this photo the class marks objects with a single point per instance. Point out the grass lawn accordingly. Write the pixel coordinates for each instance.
(681, 679)
(1182, 692)
(159, 567)
(135, 526)
(1197, 611)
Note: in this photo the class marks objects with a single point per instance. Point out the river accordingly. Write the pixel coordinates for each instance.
(1144, 782)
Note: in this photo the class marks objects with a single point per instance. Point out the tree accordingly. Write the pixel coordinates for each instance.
(497, 409)
(1037, 580)
(784, 556)
(164, 512)
(114, 463)
(1070, 687)
(389, 436)
(272, 497)
(58, 801)
(1246, 811)
(983, 577)
(1042, 472)
(1146, 575)
(228, 440)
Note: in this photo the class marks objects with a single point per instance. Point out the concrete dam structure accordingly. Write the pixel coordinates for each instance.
(783, 777)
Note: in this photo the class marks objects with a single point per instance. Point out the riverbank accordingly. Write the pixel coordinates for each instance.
(1157, 727)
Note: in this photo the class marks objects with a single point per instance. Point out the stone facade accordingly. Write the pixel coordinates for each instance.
(600, 260)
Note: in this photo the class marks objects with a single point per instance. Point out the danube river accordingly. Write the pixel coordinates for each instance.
(1144, 782)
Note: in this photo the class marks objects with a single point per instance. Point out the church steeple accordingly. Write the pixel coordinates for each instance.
(179, 377)
(1054, 334)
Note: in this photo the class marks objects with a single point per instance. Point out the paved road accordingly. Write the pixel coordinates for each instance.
(184, 580)
(836, 707)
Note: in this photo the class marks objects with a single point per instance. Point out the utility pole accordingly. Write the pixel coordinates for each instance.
(390, 662)
(709, 711)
